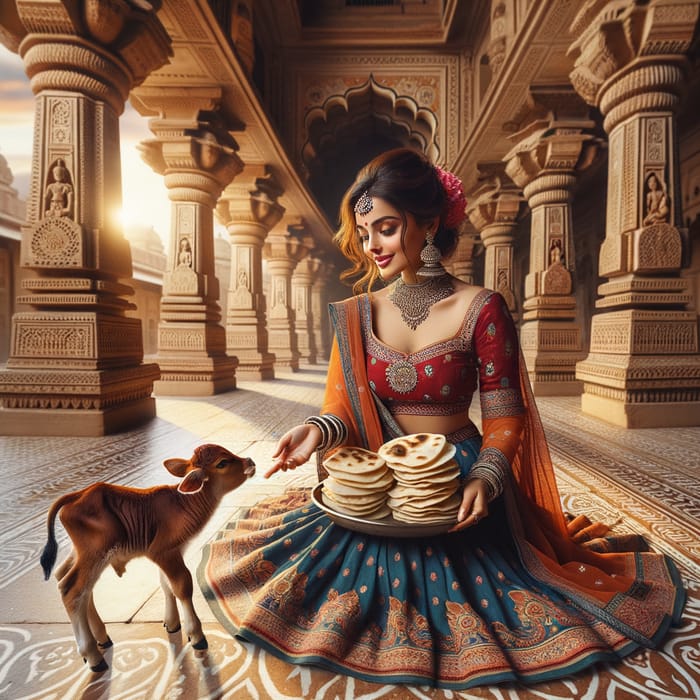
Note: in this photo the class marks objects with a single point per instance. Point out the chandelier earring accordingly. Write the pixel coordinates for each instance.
(431, 256)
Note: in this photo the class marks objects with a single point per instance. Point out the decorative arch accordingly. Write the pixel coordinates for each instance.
(349, 129)
(362, 111)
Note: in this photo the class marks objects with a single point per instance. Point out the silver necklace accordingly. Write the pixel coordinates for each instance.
(414, 301)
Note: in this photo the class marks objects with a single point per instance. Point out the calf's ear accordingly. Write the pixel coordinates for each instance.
(176, 466)
(193, 481)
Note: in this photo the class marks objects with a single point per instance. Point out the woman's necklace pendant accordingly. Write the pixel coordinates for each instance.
(414, 301)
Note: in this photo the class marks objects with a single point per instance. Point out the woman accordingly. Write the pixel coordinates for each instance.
(507, 594)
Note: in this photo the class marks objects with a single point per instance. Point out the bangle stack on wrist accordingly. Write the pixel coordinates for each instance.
(491, 475)
(491, 467)
(333, 431)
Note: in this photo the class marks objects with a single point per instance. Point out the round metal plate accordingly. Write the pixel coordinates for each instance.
(386, 527)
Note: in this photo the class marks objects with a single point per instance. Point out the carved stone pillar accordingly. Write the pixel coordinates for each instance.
(319, 309)
(249, 209)
(75, 364)
(544, 163)
(494, 206)
(197, 159)
(282, 251)
(302, 283)
(461, 265)
(643, 368)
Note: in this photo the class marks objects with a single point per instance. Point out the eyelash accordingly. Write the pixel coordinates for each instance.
(390, 231)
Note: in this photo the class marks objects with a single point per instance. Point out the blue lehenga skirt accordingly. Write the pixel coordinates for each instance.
(453, 611)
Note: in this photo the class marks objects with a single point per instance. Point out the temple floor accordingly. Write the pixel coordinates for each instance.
(644, 481)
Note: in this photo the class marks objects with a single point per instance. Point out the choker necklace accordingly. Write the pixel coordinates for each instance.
(414, 301)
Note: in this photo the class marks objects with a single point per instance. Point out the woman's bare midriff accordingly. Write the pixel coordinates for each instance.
(432, 424)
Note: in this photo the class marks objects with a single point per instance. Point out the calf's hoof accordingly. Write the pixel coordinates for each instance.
(173, 630)
(106, 644)
(201, 645)
(98, 668)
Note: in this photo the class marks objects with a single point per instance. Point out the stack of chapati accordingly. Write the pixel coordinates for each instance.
(427, 488)
(358, 483)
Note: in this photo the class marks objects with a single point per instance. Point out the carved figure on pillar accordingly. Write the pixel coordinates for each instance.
(656, 200)
(59, 192)
(184, 258)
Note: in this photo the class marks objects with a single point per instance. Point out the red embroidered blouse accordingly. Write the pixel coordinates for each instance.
(441, 378)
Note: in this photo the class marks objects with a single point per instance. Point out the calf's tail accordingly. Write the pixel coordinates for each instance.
(48, 555)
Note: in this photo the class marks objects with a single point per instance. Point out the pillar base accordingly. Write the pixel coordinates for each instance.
(551, 349)
(253, 372)
(635, 415)
(75, 422)
(641, 391)
(196, 377)
(74, 402)
(253, 365)
(552, 387)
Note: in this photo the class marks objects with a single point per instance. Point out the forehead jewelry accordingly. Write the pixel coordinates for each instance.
(364, 204)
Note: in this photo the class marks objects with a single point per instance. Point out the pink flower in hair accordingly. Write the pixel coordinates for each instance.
(453, 214)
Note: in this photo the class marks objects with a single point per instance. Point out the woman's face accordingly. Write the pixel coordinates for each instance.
(380, 234)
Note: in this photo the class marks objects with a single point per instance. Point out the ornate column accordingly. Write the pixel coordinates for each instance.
(197, 158)
(494, 207)
(643, 368)
(544, 162)
(249, 209)
(462, 263)
(283, 249)
(75, 365)
(302, 282)
(319, 309)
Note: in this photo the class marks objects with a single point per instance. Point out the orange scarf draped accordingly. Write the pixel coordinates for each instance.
(636, 592)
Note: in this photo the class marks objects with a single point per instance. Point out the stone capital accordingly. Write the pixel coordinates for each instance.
(283, 247)
(201, 157)
(494, 200)
(99, 49)
(616, 36)
(551, 145)
(177, 107)
(252, 199)
(306, 270)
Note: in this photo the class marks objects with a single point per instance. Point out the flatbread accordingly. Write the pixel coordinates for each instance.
(413, 450)
(410, 476)
(359, 489)
(359, 502)
(355, 460)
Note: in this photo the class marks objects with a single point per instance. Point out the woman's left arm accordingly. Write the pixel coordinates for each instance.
(495, 345)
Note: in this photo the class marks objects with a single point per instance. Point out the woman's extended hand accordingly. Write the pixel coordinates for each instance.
(294, 448)
(475, 504)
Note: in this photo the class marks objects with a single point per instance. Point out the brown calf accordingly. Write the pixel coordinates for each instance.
(110, 524)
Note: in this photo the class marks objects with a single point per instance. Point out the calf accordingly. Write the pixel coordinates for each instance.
(110, 524)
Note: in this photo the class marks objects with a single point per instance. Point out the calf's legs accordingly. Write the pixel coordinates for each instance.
(180, 587)
(75, 582)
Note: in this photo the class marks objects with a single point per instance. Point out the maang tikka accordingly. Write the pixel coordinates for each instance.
(364, 204)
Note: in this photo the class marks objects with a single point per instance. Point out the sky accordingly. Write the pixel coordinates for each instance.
(144, 195)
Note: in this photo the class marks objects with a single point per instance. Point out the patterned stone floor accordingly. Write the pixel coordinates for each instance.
(646, 481)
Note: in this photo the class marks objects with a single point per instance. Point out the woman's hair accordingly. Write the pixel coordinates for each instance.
(408, 181)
